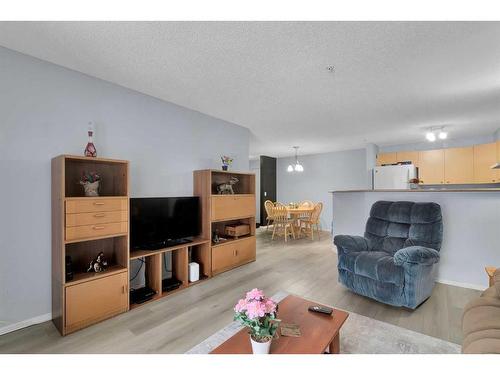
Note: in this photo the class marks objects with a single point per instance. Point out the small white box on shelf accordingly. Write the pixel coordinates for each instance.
(194, 272)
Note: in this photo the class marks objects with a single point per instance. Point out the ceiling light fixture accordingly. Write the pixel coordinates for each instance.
(442, 134)
(430, 136)
(436, 132)
(297, 167)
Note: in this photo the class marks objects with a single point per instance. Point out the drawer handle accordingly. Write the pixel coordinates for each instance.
(98, 203)
(97, 227)
(99, 215)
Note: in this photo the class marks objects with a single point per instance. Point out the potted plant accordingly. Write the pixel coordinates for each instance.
(258, 314)
(90, 182)
(226, 162)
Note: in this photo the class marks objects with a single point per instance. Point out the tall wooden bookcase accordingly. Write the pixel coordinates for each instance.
(221, 210)
(81, 228)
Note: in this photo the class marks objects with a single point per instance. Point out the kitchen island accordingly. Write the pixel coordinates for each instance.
(471, 226)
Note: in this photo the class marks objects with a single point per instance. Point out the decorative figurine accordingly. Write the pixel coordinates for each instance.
(226, 162)
(227, 187)
(90, 150)
(90, 182)
(98, 264)
(216, 238)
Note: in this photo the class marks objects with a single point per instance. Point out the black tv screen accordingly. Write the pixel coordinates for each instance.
(154, 222)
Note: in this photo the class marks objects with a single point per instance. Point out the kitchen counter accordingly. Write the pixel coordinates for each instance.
(428, 190)
(471, 226)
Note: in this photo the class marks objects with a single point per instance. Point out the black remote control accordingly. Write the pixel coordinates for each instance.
(321, 309)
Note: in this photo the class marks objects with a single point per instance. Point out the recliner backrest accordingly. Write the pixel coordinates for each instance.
(394, 225)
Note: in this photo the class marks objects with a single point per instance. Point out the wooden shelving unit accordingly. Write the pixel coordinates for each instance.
(198, 250)
(81, 228)
(221, 210)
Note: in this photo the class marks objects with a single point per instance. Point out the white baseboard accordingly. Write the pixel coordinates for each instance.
(25, 323)
(462, 285)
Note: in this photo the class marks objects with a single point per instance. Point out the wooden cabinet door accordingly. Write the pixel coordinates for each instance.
(431, 167)
(223, 257)
(459, 165)
(484, 157)
(96, 300)
(226, 207)
(408, 156)
(387, 158)
(245, 250)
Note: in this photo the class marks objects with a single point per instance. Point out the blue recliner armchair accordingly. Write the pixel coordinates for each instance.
(396, 260)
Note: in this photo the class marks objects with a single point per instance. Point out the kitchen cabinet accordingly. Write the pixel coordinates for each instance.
(387, 158)
(431, 167)
(485, 156)
(459, 165)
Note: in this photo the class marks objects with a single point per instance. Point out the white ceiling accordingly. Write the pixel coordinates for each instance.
(391, 80)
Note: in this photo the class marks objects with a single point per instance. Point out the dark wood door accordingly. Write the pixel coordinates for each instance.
(267, 184)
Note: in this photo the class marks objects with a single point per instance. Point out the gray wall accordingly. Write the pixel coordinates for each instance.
(470, 229)
(44, 111)
(322, 173)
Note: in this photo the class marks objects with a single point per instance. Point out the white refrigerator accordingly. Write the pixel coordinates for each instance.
(393, 176)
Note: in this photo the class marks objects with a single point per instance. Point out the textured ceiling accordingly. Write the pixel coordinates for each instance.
(391, 79)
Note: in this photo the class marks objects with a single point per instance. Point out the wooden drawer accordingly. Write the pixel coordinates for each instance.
(89, 231)
(232, 206)
(232, 254)
(92, 218)
(96, 300)
(76, 206)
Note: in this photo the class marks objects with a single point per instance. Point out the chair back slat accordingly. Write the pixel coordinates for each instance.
(316, 212)
(280, 214)
(306, 203)
(268, 205)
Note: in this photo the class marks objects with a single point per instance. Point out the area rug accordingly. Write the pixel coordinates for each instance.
(359, 335)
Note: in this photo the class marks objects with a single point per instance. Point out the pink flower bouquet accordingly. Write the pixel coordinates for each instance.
(258, 313)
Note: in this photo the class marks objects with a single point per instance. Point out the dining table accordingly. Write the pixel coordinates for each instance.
(296, 213)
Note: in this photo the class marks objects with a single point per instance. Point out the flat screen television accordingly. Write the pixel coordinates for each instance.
(156, 223)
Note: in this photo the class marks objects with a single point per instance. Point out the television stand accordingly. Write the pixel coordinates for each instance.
(181, 241)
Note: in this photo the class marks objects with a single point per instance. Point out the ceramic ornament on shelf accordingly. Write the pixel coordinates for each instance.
(90, 150)
(90, 182)
(226, 162)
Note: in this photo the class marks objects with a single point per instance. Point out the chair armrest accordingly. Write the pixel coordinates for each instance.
(416, 255)
(351, 243)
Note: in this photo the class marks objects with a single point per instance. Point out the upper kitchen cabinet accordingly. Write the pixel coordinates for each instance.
(386, 158)
(431, 167)
(459, 165)
(412, 156)
(485, 156)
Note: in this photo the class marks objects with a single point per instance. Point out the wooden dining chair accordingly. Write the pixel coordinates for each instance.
(269, 205)
(282, 224)
(306, 203)
(305, 215)
(313, 222)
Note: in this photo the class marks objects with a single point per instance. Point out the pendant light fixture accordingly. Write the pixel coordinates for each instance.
(297, 167)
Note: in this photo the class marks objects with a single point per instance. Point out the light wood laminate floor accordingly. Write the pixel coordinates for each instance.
(177, 323)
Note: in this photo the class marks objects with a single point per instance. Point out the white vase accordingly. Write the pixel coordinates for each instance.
(91, 189)
(260, 347)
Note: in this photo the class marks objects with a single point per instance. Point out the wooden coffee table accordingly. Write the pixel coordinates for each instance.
(320, 332)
